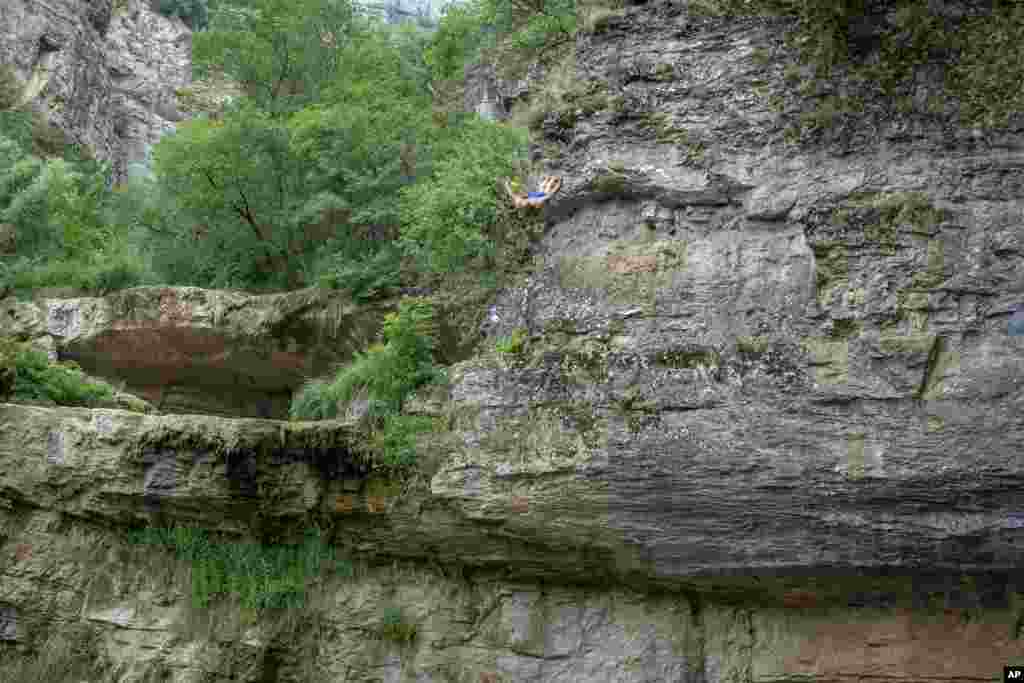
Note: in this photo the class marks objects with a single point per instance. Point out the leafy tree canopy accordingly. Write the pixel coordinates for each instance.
(239, 189)
(282, 51)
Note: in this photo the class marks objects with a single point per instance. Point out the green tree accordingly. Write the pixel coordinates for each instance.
(237, 191)
(366, 141)
(449, 218)
(55, 207)
(283, 52)
(192, 12)
(457, 40)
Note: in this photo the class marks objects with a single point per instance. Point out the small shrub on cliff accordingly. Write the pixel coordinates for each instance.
(393, 445)
(37, 379)
(514, 344)
(395, 628)
(386, 373)
(10, 88)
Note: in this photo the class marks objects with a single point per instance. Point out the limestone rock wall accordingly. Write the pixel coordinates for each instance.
(765, 425)
(72, 480)
(186, 349)
(103, 71)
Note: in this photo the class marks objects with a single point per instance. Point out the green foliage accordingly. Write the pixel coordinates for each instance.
(372, 277)
(990, 67)
(515, 34)
(981, 54)
(259, 576)
(368, 140)
(10, 88)
(394, 627)
(57, 210)
(37, 379)
(60, 212)
(283, 52)
(448, 218)
(386, 373)
(394, 442)
(115, 269)
(457, 40)
(238, 179)
(192, 12)
(533, 28)
(610, 183)
(514, 344)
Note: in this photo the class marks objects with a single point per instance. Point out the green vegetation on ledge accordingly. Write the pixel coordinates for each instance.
(259, 577)
(884, 51)
(26, 374)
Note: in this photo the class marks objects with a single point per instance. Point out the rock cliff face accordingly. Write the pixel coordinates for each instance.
(766, 426)
(103, 71)
(189, 350)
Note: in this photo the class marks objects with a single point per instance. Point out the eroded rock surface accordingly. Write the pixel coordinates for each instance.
(186, 349)
(70, 479)
(779, 356)
(103, 72)
(765, 424)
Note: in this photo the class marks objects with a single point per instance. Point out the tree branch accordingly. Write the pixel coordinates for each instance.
(246, 213)
(209, 177)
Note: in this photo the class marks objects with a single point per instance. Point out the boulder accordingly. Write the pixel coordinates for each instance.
(187, 349)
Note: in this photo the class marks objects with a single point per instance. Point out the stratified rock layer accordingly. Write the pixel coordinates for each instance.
(767, 386)
(70, 477)
(186, 349)
(103, 72)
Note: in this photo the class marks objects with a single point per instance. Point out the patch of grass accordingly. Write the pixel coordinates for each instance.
(586, 360)
(908, 208)
(631, 273)
(686, 358)
(47, 140)
(35, 378)
(392, 445)
(752, 345)
(831, 263)
(610, 183)
(761, 56)
(635, 410)
(395, 628)
(10, 88)
(845, 328)
(259, 577)
(979, 55)
(589, 97)
(557, 92)
(514, 344)
(384, 376)
(664, 73)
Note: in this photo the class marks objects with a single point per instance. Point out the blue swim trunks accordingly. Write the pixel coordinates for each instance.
(1016, 326)
(536, 195)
